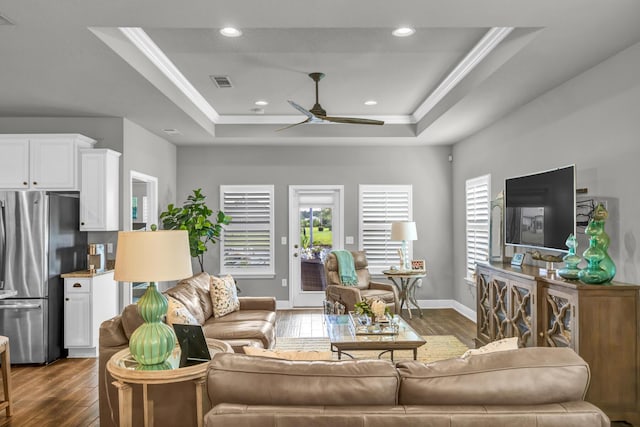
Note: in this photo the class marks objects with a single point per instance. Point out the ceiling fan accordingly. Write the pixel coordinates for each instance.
(319, 115)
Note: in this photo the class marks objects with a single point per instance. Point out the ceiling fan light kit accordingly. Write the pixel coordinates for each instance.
(317, 114)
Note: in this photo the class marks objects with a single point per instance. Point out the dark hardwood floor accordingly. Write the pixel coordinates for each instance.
(65, 393)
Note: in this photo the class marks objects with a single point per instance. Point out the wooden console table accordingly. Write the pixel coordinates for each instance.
(599, 322)
(122, 367)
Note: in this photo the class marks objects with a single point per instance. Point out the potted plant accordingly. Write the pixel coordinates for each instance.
(195, 217)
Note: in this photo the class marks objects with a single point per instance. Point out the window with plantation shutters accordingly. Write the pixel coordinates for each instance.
(477, 202)
(380, 205)
(246, 245)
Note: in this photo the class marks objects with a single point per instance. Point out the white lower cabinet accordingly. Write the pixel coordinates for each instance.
(88, 302)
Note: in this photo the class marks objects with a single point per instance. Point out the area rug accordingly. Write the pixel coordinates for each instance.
(438, 347)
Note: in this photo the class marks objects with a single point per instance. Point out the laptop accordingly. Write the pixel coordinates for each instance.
(193, 345)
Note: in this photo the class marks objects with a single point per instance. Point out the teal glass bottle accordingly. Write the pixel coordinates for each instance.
(571, 260)
(593, 274)
(596, 230)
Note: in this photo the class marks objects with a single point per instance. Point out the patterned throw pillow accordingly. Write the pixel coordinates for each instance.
(177, 313)
(504, 344)
(224, 295)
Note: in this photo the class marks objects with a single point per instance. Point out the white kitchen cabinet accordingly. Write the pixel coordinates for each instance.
(99, 191)
(41, 161)
(89, 300)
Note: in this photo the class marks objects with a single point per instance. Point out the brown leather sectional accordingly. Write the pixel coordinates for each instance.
(542, 387)
(252, 325)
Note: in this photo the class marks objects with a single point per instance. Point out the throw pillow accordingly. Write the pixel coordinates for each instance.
(194, 294)
(224, 296)
(288, 354)
(500, 345)
(177, 313)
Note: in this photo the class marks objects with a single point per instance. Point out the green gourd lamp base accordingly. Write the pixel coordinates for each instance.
(153, 342)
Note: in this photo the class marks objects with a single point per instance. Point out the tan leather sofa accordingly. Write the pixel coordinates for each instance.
(542, 387)
(252, 325)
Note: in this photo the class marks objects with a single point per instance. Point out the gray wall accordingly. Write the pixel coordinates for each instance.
(147, 153)
(426, 168)
(592, 121)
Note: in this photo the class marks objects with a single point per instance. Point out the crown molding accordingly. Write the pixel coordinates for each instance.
(290, 119)
(143, 42)
(490, 41)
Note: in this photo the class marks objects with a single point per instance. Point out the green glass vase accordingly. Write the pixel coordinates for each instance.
(593, 274)
(153, 342)
(595, 229)
(571, 260)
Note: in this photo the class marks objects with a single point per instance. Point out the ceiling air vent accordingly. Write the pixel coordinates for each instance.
(4, 20)
(222, 82)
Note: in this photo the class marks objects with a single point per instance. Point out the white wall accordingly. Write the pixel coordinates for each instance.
(426, 168)
(592, 120)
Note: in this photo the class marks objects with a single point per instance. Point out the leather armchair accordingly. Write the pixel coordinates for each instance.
(365, 289)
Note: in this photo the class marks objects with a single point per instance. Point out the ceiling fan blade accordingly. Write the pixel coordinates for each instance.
(301, 109)
(352, 120)
(295, 124)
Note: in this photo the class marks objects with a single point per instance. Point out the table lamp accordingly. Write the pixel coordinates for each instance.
(404, 230)
(152, 256)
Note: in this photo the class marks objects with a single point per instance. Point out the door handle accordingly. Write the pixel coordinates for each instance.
(295, 254)
(295, 246)
(21, 306)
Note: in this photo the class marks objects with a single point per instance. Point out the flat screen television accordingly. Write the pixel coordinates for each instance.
(540, 209)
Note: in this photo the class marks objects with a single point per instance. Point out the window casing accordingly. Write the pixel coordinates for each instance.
(246, 244)
(477, 222)
(379, 206)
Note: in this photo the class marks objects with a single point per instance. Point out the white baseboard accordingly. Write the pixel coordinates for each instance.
(448, 303)
(91, 352)
(283, 304)
(423, 303)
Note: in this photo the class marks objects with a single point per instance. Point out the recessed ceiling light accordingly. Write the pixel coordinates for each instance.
(230, 32)
(403, 32)
(171, 131)
(371, 102)
(261, 103)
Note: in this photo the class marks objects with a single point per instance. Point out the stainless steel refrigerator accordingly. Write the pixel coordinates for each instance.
(39, 240)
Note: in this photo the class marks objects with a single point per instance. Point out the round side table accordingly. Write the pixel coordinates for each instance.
(124, 369)
(406, 287)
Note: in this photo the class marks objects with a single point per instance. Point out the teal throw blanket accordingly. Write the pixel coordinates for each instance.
(346, 268)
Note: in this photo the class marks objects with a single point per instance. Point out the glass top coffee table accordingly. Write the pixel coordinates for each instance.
(344, 337)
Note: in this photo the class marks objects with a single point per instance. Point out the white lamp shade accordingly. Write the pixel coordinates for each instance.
(152, 256)
(404, 230)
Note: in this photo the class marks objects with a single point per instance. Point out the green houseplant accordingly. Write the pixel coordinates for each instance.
(195, 217)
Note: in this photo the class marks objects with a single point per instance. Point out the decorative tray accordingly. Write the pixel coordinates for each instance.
(362, 326)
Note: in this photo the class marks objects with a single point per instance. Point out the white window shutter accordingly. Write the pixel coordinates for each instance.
(246, 246)
(380, 205)
(477, 203)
